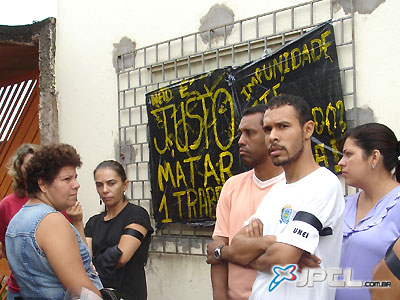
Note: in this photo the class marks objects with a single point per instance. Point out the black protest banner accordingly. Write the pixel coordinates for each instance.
(192, 148)
(307, 67)
(193, 123)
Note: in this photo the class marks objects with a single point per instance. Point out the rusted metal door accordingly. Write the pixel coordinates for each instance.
(19, 120)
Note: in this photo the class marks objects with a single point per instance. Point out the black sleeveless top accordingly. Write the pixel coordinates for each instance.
(130, 280)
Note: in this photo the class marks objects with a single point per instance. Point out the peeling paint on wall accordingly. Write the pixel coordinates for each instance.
(217, 16)
(125, 45)
(360, 6)
(364, 115)
(126, 153)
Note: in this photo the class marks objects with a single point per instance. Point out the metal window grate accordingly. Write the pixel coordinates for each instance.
(164, 63)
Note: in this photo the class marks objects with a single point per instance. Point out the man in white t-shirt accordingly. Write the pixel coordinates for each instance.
(301, 216)
(239, 199)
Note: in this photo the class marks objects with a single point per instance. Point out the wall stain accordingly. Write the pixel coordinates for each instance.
(217, 16)
(360, 6)
(363, 114)
(125, 46)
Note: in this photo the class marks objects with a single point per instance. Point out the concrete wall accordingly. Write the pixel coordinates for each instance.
(89, 36)
(173, 277)
(378, 68)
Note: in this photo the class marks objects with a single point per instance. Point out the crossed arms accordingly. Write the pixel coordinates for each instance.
(251, 249)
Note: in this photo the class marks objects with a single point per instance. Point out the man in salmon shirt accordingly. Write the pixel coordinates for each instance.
(239, 199)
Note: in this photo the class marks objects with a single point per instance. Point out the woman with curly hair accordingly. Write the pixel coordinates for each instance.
(46, 253)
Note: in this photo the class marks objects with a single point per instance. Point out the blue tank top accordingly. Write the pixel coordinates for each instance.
(28, 262)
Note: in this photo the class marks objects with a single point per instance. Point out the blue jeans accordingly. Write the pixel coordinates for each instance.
(11, 296)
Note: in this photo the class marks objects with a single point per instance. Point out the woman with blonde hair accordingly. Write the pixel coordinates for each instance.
(12, 203)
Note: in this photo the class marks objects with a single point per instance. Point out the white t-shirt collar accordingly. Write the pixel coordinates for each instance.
(264, 184)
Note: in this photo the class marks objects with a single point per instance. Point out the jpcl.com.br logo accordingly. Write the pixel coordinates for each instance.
(308, 277)
(282, 274)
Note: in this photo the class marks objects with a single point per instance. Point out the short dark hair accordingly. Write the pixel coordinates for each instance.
(47, 162)
(260, 108)
(14, 168)
(299, 104)
(376, 136)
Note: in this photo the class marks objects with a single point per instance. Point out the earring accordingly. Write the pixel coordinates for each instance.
(101, 201)
(373, 167)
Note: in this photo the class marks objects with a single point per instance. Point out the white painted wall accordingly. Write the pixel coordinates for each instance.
(86, 83)
(378, 66)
